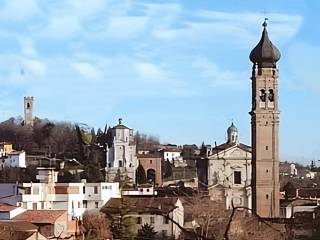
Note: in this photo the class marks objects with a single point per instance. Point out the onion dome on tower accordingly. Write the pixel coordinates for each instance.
(265, 54)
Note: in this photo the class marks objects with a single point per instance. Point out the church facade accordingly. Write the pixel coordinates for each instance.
(229, 171)
(121, 157)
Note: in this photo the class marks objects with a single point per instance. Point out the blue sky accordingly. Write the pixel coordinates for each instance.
(176, 69)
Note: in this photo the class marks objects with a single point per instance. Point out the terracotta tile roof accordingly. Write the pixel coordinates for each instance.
(40, 216)
(140, 204)
(19, 226)
(309, 192)
(4, 207)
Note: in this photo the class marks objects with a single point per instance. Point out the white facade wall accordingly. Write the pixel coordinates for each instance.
(11, 214)
(122, 154)
(171, 155)
(222, 169)
(42, 196)
(15, 159)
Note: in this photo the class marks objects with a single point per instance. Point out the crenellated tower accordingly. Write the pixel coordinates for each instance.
(28, 111)
(265, 127)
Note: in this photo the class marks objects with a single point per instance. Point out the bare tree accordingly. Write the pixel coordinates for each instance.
(96, 226)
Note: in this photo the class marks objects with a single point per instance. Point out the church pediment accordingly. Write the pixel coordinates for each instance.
(234, 151)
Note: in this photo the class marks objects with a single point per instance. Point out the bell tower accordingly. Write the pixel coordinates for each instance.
(28, 109)
(265, 127)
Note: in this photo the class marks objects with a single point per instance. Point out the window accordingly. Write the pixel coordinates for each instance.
(271, 95)
(150, 161)
(120, 163)
(152, 220)
(36, 190)
(34, 206)
(263, 95)
(85, 203)
(165, 220)
(267, 147)
(267, 196)
(237, 177)
(83, 189)
(164, 233)
(138, 220)
(96, 204)
(79, 205)
(95, 189)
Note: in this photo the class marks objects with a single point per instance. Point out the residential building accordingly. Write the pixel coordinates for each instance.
(5, 148)
(121, 152)
(150, 210)
(75, 198)
(229, 171)
(265, 128)
(21, 230)
(11, 158)
(14, 159)
(173, 155)
(51, 223)
(8, 211)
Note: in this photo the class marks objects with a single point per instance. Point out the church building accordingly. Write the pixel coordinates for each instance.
(229, 171)
(121, 157)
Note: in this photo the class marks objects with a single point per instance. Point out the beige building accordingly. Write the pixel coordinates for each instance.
(229, 171)
(150, 210)
(265, 127)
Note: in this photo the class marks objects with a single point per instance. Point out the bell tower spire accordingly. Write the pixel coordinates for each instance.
(265, 127)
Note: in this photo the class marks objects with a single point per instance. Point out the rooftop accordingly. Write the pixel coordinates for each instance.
(40, 216)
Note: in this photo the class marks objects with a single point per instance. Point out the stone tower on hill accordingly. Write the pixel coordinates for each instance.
(28, 111)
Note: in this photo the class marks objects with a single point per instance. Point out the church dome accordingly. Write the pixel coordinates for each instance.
(232, 128)
(232, 133)
(265, 54)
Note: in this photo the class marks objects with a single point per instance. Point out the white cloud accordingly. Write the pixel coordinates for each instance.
(36, 67)
(27, 46)
(17, 10)
(87, 70)
(216, 76)
(125, 27)
(303, 62)
(150, 71)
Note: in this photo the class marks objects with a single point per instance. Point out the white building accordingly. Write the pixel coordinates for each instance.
(229, 171)
(14, 159)
(121, 152)
(76, 198)
(8, 212)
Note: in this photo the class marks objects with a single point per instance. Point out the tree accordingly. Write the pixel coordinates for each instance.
(96, 226)
(141, 177)
(146, 232)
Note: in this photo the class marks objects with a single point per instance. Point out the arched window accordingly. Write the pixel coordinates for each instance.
(263, 95)
(271, 95)
(28, 105)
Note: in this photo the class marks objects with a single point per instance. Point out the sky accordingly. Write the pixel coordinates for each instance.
(175, 69)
